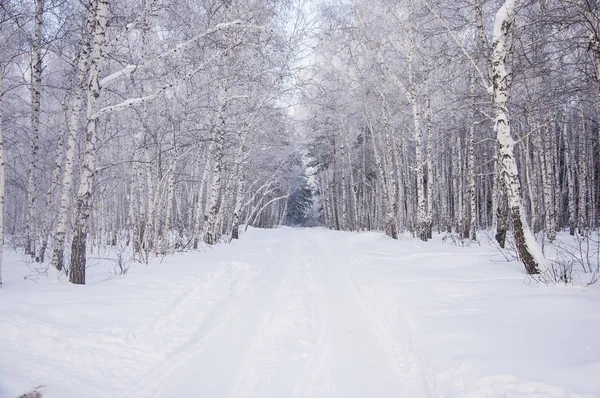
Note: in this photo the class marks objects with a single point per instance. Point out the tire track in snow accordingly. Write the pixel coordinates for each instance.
(313, 380)
(278, 350)
(171, 372)
(401, 355)
(301, 329)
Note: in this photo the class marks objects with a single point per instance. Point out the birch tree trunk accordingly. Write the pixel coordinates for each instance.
(210, 233)
(36, 85)
(344, 219)
(138, 204)
(527, 247)
(391, 181)
(354, 192)
(2, 178)
(413, 97)
(60, 232)
(529, 181)
(548, 182)
(421, 220)
(239, 194)
(199, 210)
(164, 246)
(430, 182)
(569, 172)
(152, 198)
(582, 177)
(99, 11)
(50, 196)
(390, 221)
(471, 166)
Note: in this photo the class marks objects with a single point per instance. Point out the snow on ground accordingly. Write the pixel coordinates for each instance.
(301, 313)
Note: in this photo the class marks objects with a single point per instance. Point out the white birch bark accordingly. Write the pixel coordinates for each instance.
(36, 85)
(430, 182)
(390, 171)
(170, 198)
(199, 210)
(458, 189)
(99, 11)
(528, 248)
(582, 177)
(210, 233)
(548, 182)
(500, 205)
(471, 166)
(344, 219)
(2, 177)
(225, 207)
(557, 189)
(335, 186)
(413, 97)
(134, 205)
(50, 196)
(421, 220)
(157, 221)
(152, 198)
(139, 200)
(390, 221)
(73, 133)
(569, 172)
(239, 186)
(530, 183)
(355, 222)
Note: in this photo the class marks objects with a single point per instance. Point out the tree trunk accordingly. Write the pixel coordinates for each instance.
(582, 177)
(527, 247)
(472, 188)
(569, 172)
(239, 191)
(390, 171)
(60, 232)
(210, 233)
(2, 178)
(164, 246)
(548, 182)
(36, 85)
(430, 182)
(50, 195)
(99, 13)
(391, 228)
(344, 219)
(501, 211)
(199, 210)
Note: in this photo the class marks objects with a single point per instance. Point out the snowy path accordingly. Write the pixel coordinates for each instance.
(298, 331)
(301, 313)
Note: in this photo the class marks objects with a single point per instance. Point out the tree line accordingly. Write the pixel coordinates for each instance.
(153, 124)
(160, 125)
(458, 117)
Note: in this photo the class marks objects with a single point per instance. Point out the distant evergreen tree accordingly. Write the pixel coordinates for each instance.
(300, 201)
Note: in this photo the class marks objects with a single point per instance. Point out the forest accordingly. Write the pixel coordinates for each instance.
(153, 126)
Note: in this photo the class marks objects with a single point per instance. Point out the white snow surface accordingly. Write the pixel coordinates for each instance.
(300, 313)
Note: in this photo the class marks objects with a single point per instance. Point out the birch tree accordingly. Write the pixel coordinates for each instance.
(527, 247)
(98, 11)
(36, 83)
(2, 174)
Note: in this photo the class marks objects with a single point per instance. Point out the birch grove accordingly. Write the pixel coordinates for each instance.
(153, 126)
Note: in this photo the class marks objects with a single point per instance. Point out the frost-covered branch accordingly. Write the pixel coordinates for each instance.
(130, 69)
(484, 80)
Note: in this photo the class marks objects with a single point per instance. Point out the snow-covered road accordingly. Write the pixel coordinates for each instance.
(303, 313)
(299, 330)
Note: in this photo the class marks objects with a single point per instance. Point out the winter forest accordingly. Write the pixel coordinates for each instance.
(165, 125)
(299, 198)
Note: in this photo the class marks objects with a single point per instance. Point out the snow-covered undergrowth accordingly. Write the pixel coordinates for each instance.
(301, 313)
